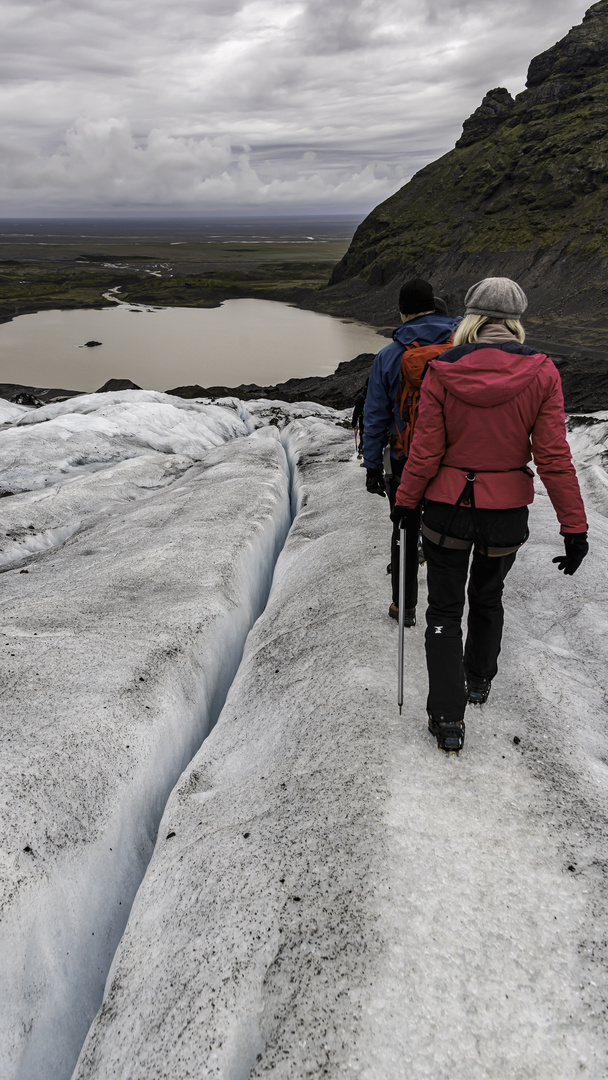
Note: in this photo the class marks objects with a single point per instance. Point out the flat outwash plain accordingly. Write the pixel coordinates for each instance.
(71, 264)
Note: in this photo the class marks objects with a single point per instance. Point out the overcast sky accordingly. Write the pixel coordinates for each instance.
(227, 105)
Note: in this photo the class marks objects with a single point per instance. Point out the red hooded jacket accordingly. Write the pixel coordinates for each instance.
(491, 409)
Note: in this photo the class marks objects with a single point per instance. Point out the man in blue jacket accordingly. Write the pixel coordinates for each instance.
(422, 323)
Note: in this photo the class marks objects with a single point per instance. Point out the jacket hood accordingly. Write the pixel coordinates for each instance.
(488, 375)
(426, 329)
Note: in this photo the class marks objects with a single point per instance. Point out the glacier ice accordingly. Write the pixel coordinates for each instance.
(118, 649)
(326, 893)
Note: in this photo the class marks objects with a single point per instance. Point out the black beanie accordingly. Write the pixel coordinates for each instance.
(416, 295)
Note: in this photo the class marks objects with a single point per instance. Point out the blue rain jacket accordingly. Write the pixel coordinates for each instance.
(381, 413)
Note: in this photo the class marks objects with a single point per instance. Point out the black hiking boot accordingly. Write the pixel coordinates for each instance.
(477, 690)
(409, 615)
(449, 733)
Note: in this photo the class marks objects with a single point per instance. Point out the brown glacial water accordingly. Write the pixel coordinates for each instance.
(242, 341)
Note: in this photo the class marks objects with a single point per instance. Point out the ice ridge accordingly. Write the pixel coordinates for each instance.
(152, 603)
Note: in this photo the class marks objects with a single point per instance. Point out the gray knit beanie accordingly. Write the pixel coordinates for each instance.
(496, 297)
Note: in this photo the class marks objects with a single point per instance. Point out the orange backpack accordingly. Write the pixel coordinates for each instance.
(414, 363)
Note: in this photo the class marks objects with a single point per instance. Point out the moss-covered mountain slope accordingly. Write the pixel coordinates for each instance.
(523, 194)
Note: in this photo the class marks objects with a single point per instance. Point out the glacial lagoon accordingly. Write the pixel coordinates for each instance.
(241, 341)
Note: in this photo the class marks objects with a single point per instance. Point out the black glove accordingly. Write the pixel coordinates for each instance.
(374, 482)
(576, 548)
(405, 516)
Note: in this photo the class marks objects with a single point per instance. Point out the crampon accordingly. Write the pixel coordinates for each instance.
(477, 690)
(449, 734)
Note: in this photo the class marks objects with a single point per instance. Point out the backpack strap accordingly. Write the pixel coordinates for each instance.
(468, 495)
(408, 395)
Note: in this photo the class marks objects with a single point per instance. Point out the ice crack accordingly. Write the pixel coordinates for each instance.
(160, 625)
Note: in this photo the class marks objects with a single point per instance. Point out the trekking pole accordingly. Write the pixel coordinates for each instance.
(401, 617)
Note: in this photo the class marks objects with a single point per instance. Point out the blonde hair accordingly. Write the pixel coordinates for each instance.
(469, 328)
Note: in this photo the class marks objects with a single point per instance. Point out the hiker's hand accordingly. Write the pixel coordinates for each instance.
(576, 548)
(404, 516)
(374, 482)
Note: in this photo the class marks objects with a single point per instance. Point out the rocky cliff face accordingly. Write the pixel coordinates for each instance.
(523, 194)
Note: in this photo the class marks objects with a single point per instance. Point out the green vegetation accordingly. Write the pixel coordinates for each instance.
(524, 194)
(191, 274)
(30, 287)
(516, 189)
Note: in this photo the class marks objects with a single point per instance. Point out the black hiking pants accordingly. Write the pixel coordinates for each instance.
(411, 546)
(447, 572)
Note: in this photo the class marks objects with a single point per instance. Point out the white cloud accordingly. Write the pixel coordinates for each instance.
(219, 103)
(102, 163)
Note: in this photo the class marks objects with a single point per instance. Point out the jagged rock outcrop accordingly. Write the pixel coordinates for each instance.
(112, 385)
(34, 395)
(493, 111)
(523, 194)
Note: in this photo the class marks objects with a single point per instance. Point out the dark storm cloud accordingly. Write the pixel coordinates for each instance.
(219, 103)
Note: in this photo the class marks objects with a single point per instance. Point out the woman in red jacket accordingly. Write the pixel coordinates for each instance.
(487, 407)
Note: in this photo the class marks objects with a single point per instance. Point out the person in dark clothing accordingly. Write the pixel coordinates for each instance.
(487, 406)
(357, 418)
(423, 324)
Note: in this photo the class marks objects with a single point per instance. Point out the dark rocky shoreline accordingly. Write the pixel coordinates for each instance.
(584, 381)
(337, 390)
